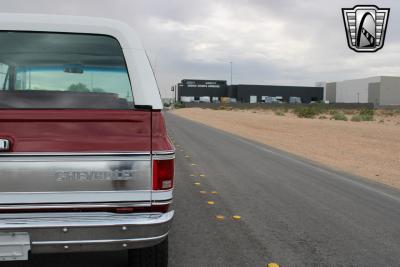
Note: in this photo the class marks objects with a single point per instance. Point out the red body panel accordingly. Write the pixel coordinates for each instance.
(83, 130)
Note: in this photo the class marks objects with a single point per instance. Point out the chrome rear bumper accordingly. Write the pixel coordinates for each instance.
(74, 232)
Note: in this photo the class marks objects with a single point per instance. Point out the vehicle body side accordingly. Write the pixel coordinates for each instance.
(83, 180)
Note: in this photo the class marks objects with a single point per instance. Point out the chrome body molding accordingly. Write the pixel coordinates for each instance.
(96, 242)
(122, 153)
(164, 155)
(57, 156)
(162, 202)
(71, 232)
(73, 197)
(163, 152)
(162, 195)
(95, 245)
(40, 178)
(71, 154)
(73, 205)
(56, 206)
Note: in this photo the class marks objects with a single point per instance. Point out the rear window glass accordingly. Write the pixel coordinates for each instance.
(62, 71)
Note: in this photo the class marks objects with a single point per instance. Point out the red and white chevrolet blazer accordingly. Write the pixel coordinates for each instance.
(85, 160)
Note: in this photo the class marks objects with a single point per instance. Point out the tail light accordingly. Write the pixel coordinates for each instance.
(163, 174)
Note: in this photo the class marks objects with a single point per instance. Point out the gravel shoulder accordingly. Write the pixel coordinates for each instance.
(368, 149)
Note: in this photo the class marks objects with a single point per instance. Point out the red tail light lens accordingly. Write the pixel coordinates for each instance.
(163, 174)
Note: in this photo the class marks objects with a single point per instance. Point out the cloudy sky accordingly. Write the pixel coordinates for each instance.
(297, 42)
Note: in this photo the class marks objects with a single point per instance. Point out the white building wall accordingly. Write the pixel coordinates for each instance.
(390, 91)
(354, 91)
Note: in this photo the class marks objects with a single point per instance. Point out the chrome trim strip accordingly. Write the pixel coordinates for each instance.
(164, 152)
(84, 206)
(19, 221)
(101, 241)
(74, 154)
(79, 197)
(163, 191)
(83, 192)
(123, 153)
(70, 194)
(73, 205)
(162, 195)
(58, 156)
(164, 157)
(161, 203)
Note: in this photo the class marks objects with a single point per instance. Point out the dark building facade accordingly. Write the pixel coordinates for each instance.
(198, 88)
(242, 92)
(306, 93)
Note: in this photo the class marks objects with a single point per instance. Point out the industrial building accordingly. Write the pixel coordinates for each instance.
(379, 90)
(214, 90)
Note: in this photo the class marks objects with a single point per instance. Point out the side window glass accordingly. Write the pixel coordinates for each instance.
(3, 75)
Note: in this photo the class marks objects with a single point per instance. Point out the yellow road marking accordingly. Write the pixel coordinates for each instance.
(236, 217)
(202, 175)
(214, 192)
(220, 217)
(187, 156)
(197, 183)
(272, 264)
(203, 192)
(193, 164)
(210, 202)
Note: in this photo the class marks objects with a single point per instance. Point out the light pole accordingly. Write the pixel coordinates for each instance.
(231, 63)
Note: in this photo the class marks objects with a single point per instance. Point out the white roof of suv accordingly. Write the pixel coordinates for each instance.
(144, 85)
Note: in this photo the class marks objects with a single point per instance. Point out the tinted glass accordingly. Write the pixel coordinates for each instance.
(62, 71)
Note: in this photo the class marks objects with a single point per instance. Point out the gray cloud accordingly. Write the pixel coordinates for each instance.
(270, 42)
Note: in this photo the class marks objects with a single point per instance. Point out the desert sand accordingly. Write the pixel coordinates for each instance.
(368, 149)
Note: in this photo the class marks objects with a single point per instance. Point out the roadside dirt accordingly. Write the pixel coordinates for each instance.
(368, 149)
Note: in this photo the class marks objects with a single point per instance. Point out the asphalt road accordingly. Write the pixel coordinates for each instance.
(292, 212)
